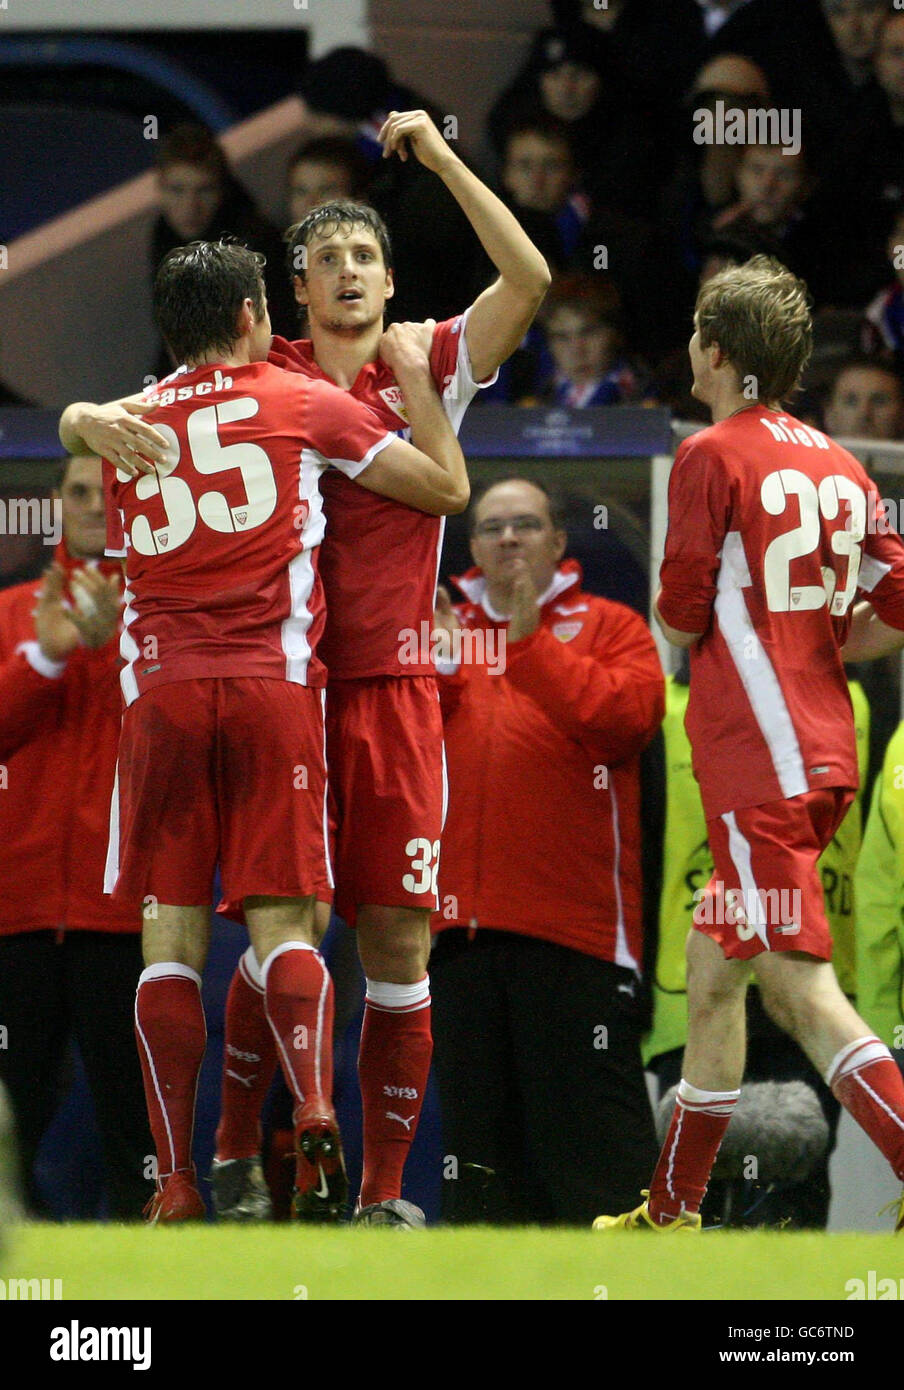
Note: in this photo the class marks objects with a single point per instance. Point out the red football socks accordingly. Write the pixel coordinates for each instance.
(171, 1036)
(298, 1000)
(866, 1080)
(699, 1122)
(393, 1067)
(249, 1062)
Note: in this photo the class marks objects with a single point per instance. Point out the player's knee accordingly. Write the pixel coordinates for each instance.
(712, 982)
(790, 1010)
(394, 949)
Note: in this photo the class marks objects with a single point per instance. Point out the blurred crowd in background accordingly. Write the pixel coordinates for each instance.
(597, 144)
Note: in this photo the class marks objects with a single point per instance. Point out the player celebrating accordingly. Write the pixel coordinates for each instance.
(773, 528)
(379, 565)
(221, 754)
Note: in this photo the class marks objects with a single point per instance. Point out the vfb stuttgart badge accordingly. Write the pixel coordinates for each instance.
(565, 631)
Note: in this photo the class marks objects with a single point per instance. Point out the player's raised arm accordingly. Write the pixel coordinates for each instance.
(501, 315)
(430, 473)
(114, 431)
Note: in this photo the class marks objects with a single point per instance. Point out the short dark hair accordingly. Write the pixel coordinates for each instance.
(863, 362)
(198, 292)
(335, 149)
(594, 294)
(554, 500)
(328, 218)
(546, 126)
(190, 143)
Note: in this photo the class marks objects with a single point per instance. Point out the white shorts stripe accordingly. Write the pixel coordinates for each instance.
(740, 852)
(111, 867)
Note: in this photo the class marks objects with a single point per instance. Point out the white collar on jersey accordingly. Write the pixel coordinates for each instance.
(476, 590)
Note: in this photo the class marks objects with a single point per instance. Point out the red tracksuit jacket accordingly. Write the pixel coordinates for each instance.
(58, 743)
(542, 834)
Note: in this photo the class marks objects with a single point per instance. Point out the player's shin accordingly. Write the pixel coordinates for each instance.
(298, 999)
(171, 1035)
(393, 1068)
(249, 1061)
(865, 1079)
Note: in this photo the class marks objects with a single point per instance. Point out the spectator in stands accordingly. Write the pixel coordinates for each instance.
(571, 76)
(540, 184)
(866, 402)
(871, 158)
(583, 327)
(704, 181)
(69, 960)
(200, 199)
(322, 170)
(883, 330)
(535, 987)
(540, 180)
(776, 201)
(855, 27)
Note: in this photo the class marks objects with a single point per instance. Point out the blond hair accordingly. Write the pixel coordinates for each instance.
(759, 314)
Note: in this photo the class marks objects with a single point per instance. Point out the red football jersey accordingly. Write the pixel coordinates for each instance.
(773, 532)
(380, 559)
(221, 542)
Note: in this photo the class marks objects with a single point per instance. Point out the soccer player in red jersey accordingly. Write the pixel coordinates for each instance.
(379, 564)
(773, 531)
(222, 749)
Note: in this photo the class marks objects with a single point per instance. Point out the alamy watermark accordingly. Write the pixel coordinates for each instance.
(749, 910)
(32, 516)
(733, 125)
(463, 646)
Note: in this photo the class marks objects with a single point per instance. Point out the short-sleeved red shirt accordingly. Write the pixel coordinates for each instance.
(380, 559)
(221, 543)
(774, 530)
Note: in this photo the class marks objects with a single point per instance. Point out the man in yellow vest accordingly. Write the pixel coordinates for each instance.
(879, 887)
(772, 1055)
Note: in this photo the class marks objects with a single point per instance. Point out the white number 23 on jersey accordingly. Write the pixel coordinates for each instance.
(815, 503)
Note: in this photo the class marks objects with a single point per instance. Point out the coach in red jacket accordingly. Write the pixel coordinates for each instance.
(69, 959)
(549, 696)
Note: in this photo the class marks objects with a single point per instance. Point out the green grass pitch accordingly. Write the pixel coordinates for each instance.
(293, 1262)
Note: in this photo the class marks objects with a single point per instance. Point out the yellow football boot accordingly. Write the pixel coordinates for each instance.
(639, 1220)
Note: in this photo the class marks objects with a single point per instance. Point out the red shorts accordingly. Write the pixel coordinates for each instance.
(766, 893)
(387, 773)
(227, 771)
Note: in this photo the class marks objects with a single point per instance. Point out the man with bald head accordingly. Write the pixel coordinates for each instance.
(549, 696)
(69, 959)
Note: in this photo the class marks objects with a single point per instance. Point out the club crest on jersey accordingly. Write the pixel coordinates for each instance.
(565, 631)
(163, 539)
(392, 395)
(241, 518)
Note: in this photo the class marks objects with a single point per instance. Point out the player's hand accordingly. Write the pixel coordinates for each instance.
(445, 623)
(414, 130)
(57, 634)
(97, 598)
(405, 347)
(117, 432)
(525, 617)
